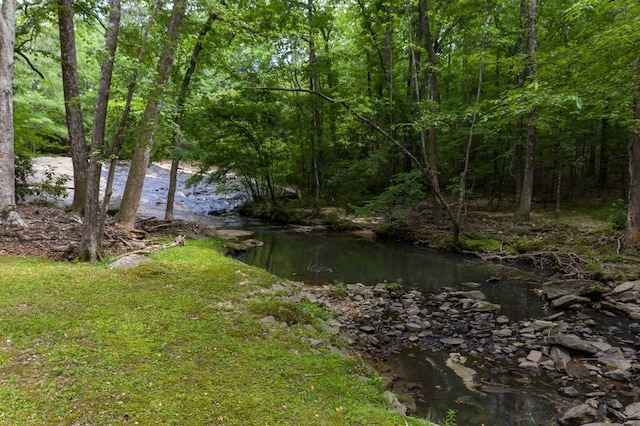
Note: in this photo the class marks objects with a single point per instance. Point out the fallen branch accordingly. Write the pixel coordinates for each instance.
(179, 241)
(567, 263)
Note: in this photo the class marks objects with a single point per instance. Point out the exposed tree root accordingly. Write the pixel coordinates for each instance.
(570, 265)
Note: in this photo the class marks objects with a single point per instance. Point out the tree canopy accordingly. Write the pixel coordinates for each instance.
(360, 104)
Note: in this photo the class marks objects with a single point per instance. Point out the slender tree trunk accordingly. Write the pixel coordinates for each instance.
(8, 212)
(467, 156)
(91, 230)
(116, 145)
(75, 125)
(523, 212)
(182, 97)
(135, 180)
(631, 240)
(518, 152)
(603, 170)
(316, 114)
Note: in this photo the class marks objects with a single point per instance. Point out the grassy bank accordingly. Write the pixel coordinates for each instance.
(177, 340)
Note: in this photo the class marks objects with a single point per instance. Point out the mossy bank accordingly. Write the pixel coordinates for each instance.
(180, 340)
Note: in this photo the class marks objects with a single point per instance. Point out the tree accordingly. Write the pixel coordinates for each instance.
(91, 229)
(182, 97)
(75, 124)
(135, 180)
(523, 212)
(7, 161)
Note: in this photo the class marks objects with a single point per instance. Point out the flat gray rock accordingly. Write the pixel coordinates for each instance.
(129, 261)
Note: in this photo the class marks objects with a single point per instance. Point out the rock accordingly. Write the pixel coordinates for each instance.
(571, 341)
(395, 403)
(603, 424)
(615, 358)
(484, 306)
(472, 294)
(233, 234)
(555, 289)
(569, 392)
(619, 375)
(579, 415)
(502, 320)
(632, 411)
(568, 300)
(528, 365)
(471, 284)
(534, 356)
(626, 308)
(129, 261)
(626, 286)
(560, 357)
(452, 341)
(454, 362)
(503, 332)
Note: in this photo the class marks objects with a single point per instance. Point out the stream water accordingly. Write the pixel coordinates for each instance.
(335, 257)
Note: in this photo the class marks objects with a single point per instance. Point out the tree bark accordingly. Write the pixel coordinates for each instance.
(523, 212)
(91, 229)
(135, 180)
(75, 125)
(631, 240)
(119, 138)
(7, 156)
(182, 97)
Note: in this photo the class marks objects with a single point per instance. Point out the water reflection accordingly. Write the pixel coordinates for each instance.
(503, 399)
(322, 258)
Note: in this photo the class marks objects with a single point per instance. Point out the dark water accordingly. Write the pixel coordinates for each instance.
(330, 257)
(510, 399)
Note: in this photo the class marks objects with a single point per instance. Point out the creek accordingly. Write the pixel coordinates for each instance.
(509, 397)
(328, 257)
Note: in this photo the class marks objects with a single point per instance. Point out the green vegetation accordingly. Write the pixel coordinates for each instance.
(177, 340)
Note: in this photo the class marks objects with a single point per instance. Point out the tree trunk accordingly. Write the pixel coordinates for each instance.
(523, 212)
(518, 152)
(631, 241)
(463, 175)
(91, 230)
(316, 114)
(135, 180)
(7, 156)
(119, 138)
(182, 97)
(75, 125)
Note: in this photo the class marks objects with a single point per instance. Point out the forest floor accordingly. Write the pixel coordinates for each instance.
(578, 242)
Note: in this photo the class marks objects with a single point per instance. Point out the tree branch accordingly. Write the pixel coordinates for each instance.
(368, 121)
(26, 59)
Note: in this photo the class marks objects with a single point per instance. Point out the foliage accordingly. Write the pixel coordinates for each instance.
(176, 340)
(406, 190)
(450, 420)
(315, 98)
(52, 185)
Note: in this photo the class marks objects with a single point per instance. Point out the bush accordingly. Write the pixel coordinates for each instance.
(52, 185)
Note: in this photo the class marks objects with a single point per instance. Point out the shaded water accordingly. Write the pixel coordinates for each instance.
(333, 257)
(506, 399)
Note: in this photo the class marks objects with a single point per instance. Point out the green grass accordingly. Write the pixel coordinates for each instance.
(176, 341)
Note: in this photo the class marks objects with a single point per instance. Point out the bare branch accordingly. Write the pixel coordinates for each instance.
(26, 59)
(366, 120)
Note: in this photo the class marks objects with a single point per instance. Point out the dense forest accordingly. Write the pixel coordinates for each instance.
(366, 105)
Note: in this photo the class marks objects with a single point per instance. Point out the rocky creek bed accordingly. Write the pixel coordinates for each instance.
(594, 368)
